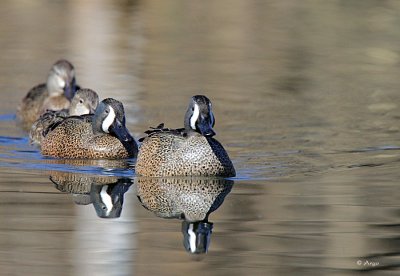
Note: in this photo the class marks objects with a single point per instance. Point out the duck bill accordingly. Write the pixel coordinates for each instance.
(121, 132)
(69, 89)
(69, 94)
(206, 129)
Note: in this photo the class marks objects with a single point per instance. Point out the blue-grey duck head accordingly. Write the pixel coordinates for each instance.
(61, 79)
(199, 116)
(196, 236)
(85, 101)
(108, 199)
(110, 118)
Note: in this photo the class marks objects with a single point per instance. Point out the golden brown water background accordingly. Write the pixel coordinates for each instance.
(306, 99)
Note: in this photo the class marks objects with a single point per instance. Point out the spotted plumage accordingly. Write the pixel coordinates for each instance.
(185, 152)
(55, 94)
(84, 102)
(105, 193)
(99, 136)
(191, 199)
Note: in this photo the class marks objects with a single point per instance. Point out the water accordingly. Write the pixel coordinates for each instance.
(305, 95)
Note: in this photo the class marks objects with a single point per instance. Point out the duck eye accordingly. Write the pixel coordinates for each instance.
(107, 111)
(81, 101)
(192, 108)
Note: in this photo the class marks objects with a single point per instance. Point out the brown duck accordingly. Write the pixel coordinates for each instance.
(99, 136)
(191, 151)
(55, 94)
(84, 102)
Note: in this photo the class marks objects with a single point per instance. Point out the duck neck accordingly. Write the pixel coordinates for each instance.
(96, 125)
(188, 123)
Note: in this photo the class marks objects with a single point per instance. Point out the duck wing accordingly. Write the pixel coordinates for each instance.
(161, 129)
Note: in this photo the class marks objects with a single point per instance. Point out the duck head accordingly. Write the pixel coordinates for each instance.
(61, 79)
(110, 118)
(85, 101)
(108, 199)
(196, 236)
(199, 116)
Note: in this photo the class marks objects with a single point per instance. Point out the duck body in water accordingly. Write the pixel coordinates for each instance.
(84, 102)
(55, 94)
(99, 136)
(189, 151)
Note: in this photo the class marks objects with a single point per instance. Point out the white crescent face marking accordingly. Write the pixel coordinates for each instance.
(192, 239)
(106, 199)
(108, 121)
(195, 116)
(60, 82)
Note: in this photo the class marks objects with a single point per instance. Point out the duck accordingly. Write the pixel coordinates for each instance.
(102, 135)
(188, 151)
(55, 94)
(84, 102)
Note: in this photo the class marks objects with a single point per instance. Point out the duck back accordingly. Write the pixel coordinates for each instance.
(171, 154)
(30, 107)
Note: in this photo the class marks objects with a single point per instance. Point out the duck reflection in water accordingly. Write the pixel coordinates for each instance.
(191, 199)
(104, 192)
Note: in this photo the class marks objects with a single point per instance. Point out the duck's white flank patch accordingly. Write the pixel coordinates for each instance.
(106, 199)
(192, 239)
(195, 116)
(108, 121)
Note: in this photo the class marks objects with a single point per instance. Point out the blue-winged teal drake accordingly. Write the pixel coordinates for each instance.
(102, 135)
(188, 151)
(55, 94)
(84, 102)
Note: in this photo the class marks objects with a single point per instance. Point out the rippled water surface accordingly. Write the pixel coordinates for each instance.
(306, 99)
